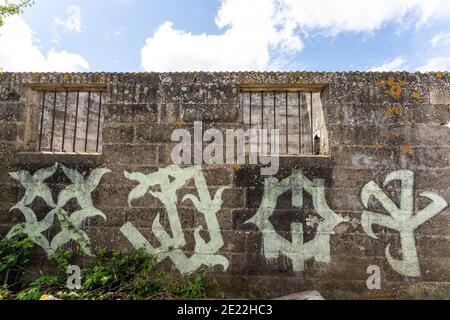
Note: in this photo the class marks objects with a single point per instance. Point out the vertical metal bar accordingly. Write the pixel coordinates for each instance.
(250, 110)
(87, 122)
(262, 110)
(274, 110)
(76, 122)
(299, 126)
(312, 124)
(287, 125)
(53, 122)
(65, 121)
(98, 124)
(42, 121)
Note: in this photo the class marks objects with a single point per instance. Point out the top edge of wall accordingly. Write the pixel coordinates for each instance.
(238, 73)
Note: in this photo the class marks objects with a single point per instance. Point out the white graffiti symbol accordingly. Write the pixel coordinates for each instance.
(400, 218)
(170, 180)
(80, 189)
(298, 251)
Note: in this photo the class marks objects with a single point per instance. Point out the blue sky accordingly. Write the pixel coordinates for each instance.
(223, 35)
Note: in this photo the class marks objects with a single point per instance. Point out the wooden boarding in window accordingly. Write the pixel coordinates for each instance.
(70, 121)
(296, 112)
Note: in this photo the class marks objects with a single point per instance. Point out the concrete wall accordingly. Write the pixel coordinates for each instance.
(333, 218)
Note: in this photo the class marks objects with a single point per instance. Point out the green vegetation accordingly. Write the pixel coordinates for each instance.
(8, 8)
(15, 255)
(110, 276)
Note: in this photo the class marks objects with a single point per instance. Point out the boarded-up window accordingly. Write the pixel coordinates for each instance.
(70, 121)
(298, 115)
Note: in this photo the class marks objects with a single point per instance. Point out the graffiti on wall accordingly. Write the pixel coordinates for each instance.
(170, 180)
(297, 250)
(166, 184)
(36, 187)
(401, 219)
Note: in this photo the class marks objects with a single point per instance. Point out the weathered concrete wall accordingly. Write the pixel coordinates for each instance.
(381, 126)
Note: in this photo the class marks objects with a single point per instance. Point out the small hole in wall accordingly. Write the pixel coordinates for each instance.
(316, 145)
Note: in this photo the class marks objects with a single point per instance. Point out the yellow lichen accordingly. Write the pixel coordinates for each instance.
(179, 122)
(393, 87)
(396, 91)
(406, 149)
(395, 133)
(391, 81)
(378, 146)
(439, 74)
(237, 166)
(392, 111)
(415, 95)
(66, 77)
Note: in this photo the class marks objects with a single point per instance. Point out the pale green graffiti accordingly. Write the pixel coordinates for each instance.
(170, 180)
(297, 251)
(401, 219)
(80, 189)
(35, 185)
(32, 227)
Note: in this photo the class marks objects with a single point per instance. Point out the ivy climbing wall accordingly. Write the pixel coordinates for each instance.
(381, 198)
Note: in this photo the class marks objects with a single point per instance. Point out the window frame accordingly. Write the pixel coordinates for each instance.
(288, 88)
(31, 142)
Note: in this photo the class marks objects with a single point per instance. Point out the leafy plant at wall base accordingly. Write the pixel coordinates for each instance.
(15, 256)
(49, 283)
(192, 286)
(136, 276)
(110, 275)
(5, 294)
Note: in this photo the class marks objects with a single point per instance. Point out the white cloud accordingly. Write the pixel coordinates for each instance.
(245, 43)
(440, 59)
(396, 64)
(361, 15)
(441, 40)
(255, 33)
(436, 64)
(63, 60)
(18, 51)
(73, 21)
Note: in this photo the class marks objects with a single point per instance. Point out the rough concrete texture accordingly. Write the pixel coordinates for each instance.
(382, 127)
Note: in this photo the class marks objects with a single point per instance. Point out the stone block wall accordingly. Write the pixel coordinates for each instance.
(324, 229)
